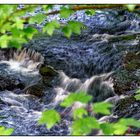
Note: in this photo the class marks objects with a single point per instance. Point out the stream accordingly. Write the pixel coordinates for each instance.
(85, 62)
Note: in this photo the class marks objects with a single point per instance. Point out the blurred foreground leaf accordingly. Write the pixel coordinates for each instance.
(50, 118)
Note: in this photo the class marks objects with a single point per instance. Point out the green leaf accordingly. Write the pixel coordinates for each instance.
(67, 31)
(90, 12)
(4, 40)
(102, 107)
(47, 7)
(50, 118)
(107, 128)
(75, 26)
(50, 27)
(138, 91)
(137, 97)
(20, 40)
(6, 132)
(130, 122)
(65, 12)
(79, 113)
(72, 27)
(123, 124)
(5, 27)
(73, 97)
(8, 9)
(131, 7)
(29, 32)
(55, 23)
(18, 23)
(84, 126)
(15, 32)
(16, 42)
(38, 18)
(119, 129)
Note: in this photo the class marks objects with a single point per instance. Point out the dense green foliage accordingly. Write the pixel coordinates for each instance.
(84, 123)
(14, 33)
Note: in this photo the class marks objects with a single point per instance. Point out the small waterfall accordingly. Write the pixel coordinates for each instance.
(66, 85)
(24, 60)
(99, 86)
(69, 84)
(21, 111)
(21, 64)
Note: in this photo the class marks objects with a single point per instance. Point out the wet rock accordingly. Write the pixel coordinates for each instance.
(127, 78)
(126, 107)
(49, 75)
(100, 87)
(9, 83)
(122, 82)
(98, 49)
(49, 78)
(132, 61)
(47, 71)
(109, 119)
(36, 90)
(113, 100)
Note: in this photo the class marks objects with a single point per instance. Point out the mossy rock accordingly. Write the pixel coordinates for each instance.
(126, 107)
(132, 61)
(36, 90)
(49, 77)
(47, 71)
(126, 78)
(125, 81)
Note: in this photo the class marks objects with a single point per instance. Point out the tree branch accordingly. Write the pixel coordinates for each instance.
(84, 7)
(74, 8)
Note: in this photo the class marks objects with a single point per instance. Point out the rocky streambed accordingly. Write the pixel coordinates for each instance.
(109, 44)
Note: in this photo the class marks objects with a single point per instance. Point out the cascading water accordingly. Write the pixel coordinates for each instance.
(98, 50)
(21, 111)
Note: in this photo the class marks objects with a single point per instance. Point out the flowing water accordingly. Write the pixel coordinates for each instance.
(21, 111)
(84, 62)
